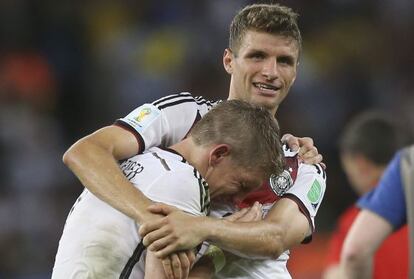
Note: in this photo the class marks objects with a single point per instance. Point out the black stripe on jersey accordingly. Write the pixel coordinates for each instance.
(320, 170)
(170, 97)
(126, 271)
(137, 135)
(204, 193)
(163, 162)
(160, 107)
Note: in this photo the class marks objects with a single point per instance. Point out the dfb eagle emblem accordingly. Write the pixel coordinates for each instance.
(281, 183)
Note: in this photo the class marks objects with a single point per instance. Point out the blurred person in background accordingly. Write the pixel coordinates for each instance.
(385, 209)
(367, 145)
(262, 59)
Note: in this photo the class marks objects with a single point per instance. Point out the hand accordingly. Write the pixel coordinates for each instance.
(308, 153)
(248, 214)
(175, 232)
(178, 265)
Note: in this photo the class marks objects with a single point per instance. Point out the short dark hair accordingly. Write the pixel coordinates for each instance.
(251, 131)
(375, 135)
(270, 18)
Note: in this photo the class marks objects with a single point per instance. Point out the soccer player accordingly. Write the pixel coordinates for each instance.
(384, 211)
(228, 153)
(367, 145)
(262, 60)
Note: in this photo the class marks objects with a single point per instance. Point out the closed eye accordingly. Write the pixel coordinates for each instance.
(259, 55)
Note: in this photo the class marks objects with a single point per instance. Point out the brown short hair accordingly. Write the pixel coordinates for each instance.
(251, 131)
(270, 18)
(374, 134)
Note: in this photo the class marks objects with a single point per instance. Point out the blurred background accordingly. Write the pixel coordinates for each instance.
(68, 68)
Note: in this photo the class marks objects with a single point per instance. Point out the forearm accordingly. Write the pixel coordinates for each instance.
(361, 244)
(261, 238)
(356, 266)
(99, 172)
(283, 227)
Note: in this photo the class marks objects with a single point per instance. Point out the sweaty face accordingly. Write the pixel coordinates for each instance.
(230, 183)
(263, 68)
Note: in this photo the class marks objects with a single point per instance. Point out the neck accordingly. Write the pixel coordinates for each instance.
(195, 155)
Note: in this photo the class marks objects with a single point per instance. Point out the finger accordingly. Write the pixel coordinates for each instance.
(150, 226)
(323, 165)
(191, 255)
(185, 264)
(308, 152)
(168, 270)
(165, 251)
(291, 141)
(160, 208)
(237, 215)
(176, 266)
(305, 145)
(161, 243)
(155, 235)
(253, 214)
(312, 158)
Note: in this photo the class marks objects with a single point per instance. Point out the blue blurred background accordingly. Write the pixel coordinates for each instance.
(68, 68)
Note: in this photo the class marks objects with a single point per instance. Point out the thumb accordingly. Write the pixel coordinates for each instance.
(160, 208)
(291, 141)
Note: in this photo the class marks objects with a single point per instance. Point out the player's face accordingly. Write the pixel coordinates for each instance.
(263, 69)
(230, 183)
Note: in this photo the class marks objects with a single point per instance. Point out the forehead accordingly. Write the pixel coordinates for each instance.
(270, 43)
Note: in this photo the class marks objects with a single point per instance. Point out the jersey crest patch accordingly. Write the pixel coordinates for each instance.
(280, 184)
(142, 117)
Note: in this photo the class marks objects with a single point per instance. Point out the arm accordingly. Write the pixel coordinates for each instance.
(361, 244)
(283, 227)
(94, 160)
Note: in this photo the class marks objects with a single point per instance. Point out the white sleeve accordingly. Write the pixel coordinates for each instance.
(164, 122)
(308, 190)
(179, 189)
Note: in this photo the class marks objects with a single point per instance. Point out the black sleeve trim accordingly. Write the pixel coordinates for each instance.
(305, 212)
(137, 135)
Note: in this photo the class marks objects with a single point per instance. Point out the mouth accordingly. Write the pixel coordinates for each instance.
(266, 89)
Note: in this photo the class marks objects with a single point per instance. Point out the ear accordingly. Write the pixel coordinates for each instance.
(227, 60)
(218, 153)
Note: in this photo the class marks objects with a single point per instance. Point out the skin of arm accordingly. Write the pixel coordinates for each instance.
(282, 228)
(361, 244)
(94, 161)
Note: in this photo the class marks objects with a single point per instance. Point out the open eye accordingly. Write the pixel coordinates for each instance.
(286, 60)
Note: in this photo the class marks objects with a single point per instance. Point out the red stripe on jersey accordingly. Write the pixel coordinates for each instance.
(265, 194)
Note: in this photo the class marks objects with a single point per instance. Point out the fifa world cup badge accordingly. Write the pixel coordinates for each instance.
(281, 183)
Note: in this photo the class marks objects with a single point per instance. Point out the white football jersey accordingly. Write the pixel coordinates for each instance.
(99, 242)
(169, 119)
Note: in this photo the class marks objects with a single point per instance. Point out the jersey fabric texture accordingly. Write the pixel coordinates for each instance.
(391, 258)
(387, 199)
(169, 119)
(98, 241)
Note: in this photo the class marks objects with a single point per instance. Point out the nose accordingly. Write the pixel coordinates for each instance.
(270, 69)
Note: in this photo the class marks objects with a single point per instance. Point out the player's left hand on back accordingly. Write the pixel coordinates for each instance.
(308, 153)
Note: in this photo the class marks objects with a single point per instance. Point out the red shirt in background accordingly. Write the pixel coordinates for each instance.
(391, 259)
